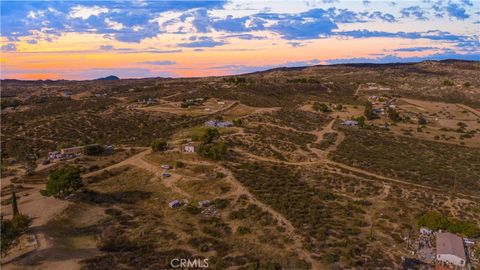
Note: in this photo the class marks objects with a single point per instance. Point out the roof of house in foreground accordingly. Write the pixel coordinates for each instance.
(449, 243)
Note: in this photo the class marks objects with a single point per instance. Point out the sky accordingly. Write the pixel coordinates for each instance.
(135, 39)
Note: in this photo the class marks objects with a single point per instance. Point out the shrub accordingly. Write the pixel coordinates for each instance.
(159, 145)
(93, 150)
(448, 83)
(321, 107)
(243, 230)
(12, 229)
(215, 151)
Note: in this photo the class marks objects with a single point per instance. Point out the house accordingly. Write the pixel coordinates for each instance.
(165, 166)
(72, 150)
(66, 93)
(222, 124)
(204, 203)
(350, 123)
(221, 103)
(190, 147)
(450, 249)
(166, 174)
(175, 204)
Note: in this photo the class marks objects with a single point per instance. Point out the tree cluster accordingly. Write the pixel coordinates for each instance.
(63, 182)
(11, 229)
(369, 114)
(436, 221)
(320, 107)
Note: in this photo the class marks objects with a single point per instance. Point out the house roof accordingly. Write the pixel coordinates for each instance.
(449, 243)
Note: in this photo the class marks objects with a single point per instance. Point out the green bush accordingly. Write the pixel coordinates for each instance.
(437, 221)
(63, 182)
(215, 151)
(243, 230)
(321, 107)
(93, 149)
(368, 112)
(159, 145)
(12, 229)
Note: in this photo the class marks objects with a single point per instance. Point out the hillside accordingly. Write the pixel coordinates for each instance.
(321, 167)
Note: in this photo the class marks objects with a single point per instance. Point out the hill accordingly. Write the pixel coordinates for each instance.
(280, 179)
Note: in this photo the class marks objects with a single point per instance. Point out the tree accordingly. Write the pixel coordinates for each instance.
(361, 121)
(394, 115)
(12, 229)
(63, 182)
(93, 149)
(321, 107)
(209, 135)
(237, 122)
(368, 110)
(215, 151)
(14, 203)
(159, 145)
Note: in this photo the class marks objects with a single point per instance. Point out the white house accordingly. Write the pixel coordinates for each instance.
(190, 147)
(450, 249)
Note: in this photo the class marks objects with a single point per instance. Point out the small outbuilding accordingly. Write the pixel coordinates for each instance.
(350, 123)
(425, 231)
(175, 204)
(204, 203)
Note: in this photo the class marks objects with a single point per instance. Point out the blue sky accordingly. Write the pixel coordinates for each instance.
(201, 38)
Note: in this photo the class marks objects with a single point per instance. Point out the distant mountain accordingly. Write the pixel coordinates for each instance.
(108, 78)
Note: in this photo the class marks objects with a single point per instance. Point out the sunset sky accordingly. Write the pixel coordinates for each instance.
(132, 39)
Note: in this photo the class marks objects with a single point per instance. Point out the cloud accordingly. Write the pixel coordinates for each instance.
(160, 63)
(414, 12)
(377, 15)
(106, 47)
(202, 42)
(85, 12)
(10, 47)
(296, 44)
(128, 21)
(396, 59)
(245, 36)
(311, 24)
(414, 49)
(456, 11)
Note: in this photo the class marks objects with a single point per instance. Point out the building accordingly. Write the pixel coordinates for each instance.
(175, 204)
(450, 249)
(72, 150)
(190, 147)
(350, 123)
(204, 203)
(215, 123)
(425, 231)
